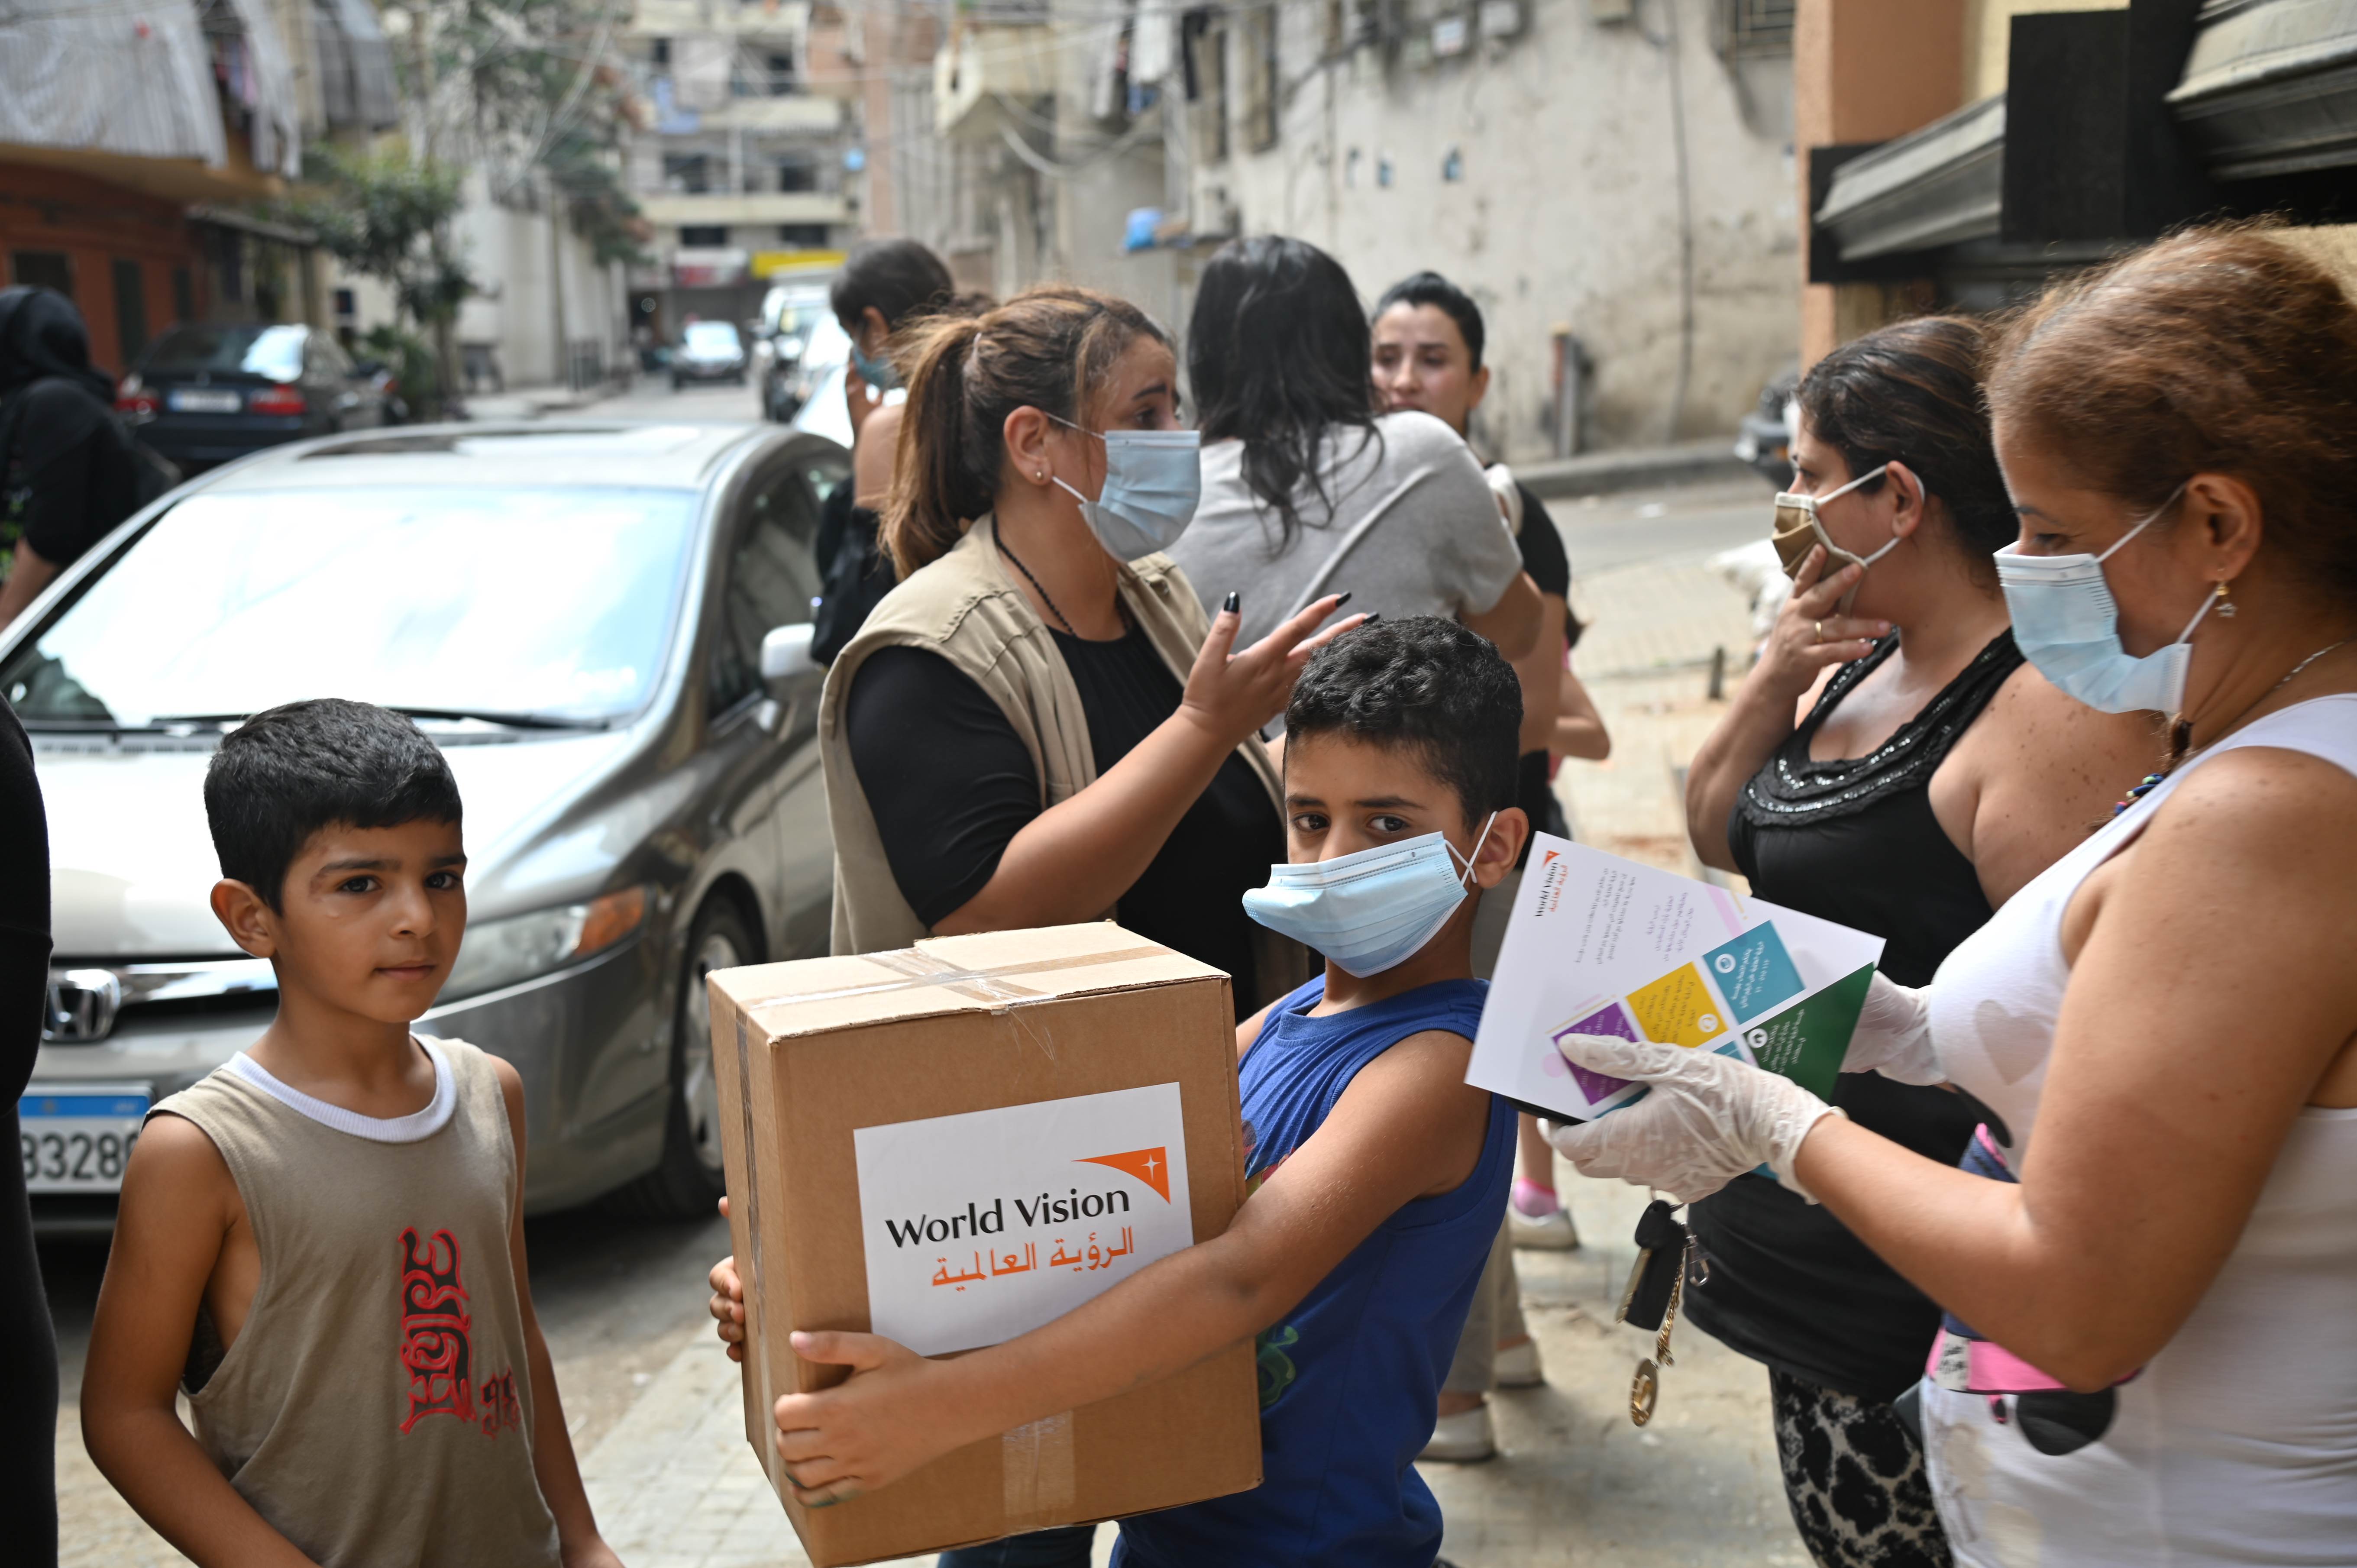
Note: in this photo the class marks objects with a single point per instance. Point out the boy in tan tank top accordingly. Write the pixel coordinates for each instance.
(322, 1241)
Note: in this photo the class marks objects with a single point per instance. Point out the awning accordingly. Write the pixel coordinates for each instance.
(356, 81)
(1939, 185)
(2270, 87)
(93, 79)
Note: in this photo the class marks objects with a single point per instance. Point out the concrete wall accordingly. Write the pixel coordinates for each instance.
(511, 255)
(509, 252)
(1565, 209)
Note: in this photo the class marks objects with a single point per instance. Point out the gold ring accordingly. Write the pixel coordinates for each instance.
(1820, 631)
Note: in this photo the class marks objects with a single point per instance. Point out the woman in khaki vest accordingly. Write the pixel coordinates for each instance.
(1036, 725)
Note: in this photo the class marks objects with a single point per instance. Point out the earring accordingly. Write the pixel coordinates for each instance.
(2225, 605)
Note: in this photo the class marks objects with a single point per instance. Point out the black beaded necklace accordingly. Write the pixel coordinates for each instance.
(999, 541)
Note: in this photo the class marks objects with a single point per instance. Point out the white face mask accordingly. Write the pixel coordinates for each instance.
(1371, 909)
(1798, 527)
(1153, 480)
(2067, 624)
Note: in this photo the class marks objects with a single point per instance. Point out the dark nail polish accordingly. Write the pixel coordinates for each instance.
(1235, 603)
(1340, 602)
(1372, 616)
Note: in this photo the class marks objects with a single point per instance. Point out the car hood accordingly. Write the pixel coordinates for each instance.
(130, 858)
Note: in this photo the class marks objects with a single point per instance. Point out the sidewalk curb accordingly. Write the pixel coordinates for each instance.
(1603, 473)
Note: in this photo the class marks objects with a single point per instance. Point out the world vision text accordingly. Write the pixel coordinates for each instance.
(1044, 1209)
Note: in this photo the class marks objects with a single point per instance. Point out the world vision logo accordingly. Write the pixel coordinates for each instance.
(1552, 876)
(1149, 1166)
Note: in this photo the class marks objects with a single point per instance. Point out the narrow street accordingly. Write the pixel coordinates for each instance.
(652, 1404)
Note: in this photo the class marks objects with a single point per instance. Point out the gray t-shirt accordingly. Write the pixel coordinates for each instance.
(1414, 530)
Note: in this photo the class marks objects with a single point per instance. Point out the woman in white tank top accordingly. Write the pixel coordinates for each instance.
(2151, 1352)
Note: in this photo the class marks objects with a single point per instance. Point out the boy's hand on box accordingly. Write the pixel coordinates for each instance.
(728, 1305)
(867, 1433)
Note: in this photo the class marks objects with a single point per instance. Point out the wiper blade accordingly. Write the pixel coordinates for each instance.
(496, 717)
(452, 716)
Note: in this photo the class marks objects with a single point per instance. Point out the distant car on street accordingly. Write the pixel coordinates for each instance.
(207, 395)
(791, 314)
(605, 627)
(708, 351)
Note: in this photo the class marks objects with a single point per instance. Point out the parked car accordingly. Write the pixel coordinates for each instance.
(605, 627)
(1764, 437)
(206, 395)
(708, 351)
(790, 313)
(825, 354)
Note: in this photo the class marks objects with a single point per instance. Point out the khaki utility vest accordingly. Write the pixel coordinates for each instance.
(966, 609)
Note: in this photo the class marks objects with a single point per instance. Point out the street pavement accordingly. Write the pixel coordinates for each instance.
(652, 1403)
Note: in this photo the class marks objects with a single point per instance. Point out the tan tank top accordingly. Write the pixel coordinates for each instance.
(377, 1407)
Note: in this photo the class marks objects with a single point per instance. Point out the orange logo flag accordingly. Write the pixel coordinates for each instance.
(1147, 1165)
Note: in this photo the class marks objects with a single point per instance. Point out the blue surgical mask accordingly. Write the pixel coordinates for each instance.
(1369, 910)
(874, 369)
(2066, 623)
(1153, 479)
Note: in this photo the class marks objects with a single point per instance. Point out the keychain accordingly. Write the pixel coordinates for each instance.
(1667, 1251)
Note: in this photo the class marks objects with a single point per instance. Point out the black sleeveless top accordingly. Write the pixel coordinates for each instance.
(1851, 840)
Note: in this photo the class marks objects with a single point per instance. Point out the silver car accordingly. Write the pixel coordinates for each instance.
(607, 630)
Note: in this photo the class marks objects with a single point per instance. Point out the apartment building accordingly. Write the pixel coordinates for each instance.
(131, 154)
(1611, 179)
(741, 167)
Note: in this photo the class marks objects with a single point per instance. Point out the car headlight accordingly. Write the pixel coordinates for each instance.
(503, 953)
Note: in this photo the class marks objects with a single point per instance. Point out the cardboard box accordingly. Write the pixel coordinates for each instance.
(953, 1144)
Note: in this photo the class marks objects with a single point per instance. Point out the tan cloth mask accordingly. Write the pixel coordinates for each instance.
(1797, 528)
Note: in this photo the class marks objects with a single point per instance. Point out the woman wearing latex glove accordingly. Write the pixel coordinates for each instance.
(1894, 1035)
(2165, 1022)
(1706, 1120)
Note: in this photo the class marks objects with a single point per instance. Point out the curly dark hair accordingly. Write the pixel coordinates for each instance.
(1426, 684)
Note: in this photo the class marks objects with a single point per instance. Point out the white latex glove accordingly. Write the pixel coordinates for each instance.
(1894, 1035)
(1706, 1120)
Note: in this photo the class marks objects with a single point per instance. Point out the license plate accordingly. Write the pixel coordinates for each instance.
(76, 1139)
(191, 402)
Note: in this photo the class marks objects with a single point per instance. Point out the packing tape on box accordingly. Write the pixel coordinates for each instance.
(1036, 1462)
(919, 969)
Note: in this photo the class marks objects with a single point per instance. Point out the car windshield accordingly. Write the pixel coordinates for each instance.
(711, 336)
(273, 352)
(550, 606)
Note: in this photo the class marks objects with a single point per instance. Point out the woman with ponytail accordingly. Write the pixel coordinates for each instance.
(1038, 725)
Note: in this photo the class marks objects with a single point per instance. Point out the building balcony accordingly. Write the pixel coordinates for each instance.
(152, 108)
(678, 19)
(722, 210)
(984, 66)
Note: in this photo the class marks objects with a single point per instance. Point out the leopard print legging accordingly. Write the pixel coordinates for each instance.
(1855, 1479)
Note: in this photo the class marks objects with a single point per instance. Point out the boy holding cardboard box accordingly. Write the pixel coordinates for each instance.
(1379, 1176)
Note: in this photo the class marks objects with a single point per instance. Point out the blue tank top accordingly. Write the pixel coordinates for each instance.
(1350, 1380)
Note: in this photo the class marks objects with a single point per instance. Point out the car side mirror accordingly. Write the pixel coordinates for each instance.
(786, 658)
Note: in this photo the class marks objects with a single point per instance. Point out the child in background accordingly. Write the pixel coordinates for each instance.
(1378, 1176)
(322, 1241)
